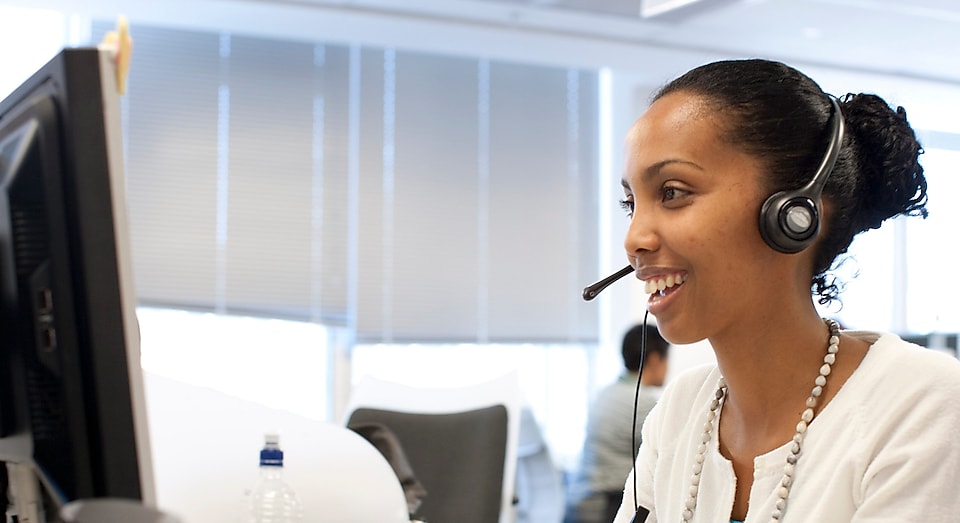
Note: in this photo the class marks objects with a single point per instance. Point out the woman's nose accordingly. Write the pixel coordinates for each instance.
(641, 235)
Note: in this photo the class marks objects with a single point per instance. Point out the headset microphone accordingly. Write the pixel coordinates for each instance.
(790, 220)
(591, 291)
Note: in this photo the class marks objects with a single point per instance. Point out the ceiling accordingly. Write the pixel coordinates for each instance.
(905, 38)
(917, 38)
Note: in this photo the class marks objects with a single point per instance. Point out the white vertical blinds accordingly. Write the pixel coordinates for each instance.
(534, 280)
(433, 219)
(411, 197)
(171, 164)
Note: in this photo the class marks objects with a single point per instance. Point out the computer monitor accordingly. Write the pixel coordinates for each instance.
(72, 411)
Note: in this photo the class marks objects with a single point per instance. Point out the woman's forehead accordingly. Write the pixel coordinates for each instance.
(682, 128)
(678, 120)
(673, 113)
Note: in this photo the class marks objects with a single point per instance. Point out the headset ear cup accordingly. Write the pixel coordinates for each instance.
(770, 220)
(789, 221)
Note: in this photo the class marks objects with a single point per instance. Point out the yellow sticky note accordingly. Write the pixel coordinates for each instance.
(121, 44)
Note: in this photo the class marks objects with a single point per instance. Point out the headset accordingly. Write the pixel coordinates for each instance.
(790, 220)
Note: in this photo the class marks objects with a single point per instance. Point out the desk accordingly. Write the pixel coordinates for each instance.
(206, 447)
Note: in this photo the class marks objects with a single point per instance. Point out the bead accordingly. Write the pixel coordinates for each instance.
(783, 491)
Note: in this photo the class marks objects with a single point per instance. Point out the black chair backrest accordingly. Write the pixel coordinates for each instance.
(458, 458)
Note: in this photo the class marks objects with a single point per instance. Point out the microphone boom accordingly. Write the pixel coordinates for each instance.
(591, 291)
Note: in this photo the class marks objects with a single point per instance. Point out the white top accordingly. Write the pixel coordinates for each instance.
(883, 450)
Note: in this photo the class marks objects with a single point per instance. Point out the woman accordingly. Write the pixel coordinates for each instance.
(797, 422)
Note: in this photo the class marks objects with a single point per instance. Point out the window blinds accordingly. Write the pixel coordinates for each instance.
(411, 197)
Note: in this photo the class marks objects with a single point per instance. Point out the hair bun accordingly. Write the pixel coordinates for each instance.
(887, 150)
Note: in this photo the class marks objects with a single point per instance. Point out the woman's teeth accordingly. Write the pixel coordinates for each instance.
(659, 284)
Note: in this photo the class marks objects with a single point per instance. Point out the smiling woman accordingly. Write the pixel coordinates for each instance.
(730, 230)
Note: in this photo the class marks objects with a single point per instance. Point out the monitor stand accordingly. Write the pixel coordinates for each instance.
(26, 504)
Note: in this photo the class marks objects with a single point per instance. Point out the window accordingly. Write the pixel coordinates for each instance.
(406, 196)
(409, 198)
(902, 283)
(932, 250)
(30, 38)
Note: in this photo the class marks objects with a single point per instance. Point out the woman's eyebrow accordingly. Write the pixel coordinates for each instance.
(651, 171)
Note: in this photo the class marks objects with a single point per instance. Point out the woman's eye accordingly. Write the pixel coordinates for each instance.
(669, 193)
(627, 207)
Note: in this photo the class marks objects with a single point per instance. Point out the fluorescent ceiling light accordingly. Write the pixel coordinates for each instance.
(649, 8)
(677, 8)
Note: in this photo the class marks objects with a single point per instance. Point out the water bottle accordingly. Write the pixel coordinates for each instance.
(273, 501)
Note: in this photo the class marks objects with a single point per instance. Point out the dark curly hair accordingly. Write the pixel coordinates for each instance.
(781, 116)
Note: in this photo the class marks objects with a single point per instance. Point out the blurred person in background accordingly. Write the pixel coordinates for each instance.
(597, 487)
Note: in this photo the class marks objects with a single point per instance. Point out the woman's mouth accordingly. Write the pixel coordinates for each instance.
(662, 284)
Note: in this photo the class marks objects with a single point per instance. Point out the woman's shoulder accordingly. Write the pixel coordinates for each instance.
(906, 370)
(889, 350)
(903, 396)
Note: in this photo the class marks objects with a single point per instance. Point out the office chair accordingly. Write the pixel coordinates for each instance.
(460, 442)
(457, 457)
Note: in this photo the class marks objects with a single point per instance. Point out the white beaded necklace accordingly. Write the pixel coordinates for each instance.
(805, 419)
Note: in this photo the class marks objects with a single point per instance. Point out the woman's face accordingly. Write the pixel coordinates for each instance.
(694, 202)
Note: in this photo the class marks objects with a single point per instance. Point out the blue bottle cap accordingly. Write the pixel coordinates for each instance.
(271, 457)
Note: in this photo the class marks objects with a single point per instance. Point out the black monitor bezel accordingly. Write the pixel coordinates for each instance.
(103, 449)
